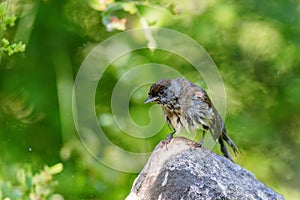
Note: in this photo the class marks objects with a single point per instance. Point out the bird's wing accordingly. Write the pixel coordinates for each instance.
(207, 109)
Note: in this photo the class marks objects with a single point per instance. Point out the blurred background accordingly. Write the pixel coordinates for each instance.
(255, 45)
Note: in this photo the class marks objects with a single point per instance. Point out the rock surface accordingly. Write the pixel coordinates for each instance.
(179, 170)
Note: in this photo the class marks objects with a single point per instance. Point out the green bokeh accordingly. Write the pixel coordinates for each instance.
(255, 45)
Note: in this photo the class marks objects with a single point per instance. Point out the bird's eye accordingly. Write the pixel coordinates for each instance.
(161, 92)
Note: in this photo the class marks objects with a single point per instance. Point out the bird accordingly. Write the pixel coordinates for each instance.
(187, 106)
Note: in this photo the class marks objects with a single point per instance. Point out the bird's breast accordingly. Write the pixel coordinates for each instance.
(181, 118)
(173, 116)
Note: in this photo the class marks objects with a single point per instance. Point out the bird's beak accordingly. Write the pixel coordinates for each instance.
(150, 99)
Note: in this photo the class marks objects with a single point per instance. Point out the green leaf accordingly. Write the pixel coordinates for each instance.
(129, 7)
(55, 169)
(5, 18)
(10, 49)
(28, 181)
(6, 189)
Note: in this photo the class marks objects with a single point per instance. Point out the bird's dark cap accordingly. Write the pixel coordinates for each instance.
(156, 88)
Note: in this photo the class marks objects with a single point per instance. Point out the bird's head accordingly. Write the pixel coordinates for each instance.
(158, 91)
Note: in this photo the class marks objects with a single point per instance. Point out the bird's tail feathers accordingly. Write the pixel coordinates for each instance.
(224, 149)
(230, 142)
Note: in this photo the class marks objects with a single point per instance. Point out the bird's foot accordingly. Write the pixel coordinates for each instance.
(168, 139)
(199, 144)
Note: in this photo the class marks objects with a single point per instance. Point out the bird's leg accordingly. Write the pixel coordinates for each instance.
(168, 138)
(199, 144)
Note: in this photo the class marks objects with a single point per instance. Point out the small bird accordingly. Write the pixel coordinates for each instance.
(187, 106)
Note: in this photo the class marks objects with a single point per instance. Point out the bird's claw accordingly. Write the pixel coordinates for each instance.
(168, 139)
(199, 144)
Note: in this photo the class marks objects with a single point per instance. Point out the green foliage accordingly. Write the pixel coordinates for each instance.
(6, 21)
(10, 49)
(255, 46)
(31, 186)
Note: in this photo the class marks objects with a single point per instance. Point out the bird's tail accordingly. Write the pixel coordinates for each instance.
(224, 137)
(220, 134)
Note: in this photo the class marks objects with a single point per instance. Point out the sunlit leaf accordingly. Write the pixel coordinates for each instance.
(129, 7)
(55, 169)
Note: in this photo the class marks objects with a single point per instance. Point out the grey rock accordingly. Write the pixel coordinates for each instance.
(179, 170)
